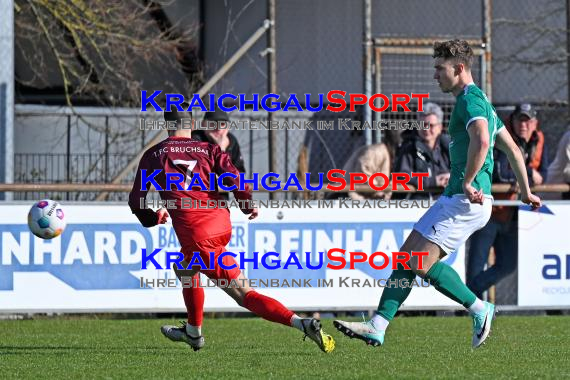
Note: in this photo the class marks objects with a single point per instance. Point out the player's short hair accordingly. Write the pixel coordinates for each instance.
(457, 50)
(173, 114)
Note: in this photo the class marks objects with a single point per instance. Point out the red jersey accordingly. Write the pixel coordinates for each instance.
(188, 157)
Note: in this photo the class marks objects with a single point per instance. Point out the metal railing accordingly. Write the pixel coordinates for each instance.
(51, 169)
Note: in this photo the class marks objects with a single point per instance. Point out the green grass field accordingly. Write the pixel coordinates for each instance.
(416, 347)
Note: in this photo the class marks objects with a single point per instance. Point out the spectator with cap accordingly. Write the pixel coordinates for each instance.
(524, 127)
(426, 152)
(215, 130)
(501, 232)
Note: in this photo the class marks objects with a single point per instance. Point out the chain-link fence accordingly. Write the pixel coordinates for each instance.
(406, 66)
(402, 37)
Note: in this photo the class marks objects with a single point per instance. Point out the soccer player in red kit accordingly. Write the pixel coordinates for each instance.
(206, 230)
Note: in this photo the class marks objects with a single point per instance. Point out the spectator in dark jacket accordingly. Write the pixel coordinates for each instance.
(502, 230)
(220, 135)
(426, 152)
(214, 130)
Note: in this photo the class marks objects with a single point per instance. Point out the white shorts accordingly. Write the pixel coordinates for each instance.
(451, 220)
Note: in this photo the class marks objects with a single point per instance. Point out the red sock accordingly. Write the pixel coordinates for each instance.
(267, 308)
(194, 301)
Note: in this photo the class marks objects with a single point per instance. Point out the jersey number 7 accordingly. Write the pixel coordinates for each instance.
(190, 166)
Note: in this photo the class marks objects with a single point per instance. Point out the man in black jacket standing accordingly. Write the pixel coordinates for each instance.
(215, 130)
(426, 152)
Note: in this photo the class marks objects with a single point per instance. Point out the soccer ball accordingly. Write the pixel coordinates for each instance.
(46, 219)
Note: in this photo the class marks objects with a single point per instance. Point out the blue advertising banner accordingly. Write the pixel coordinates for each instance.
(96, 264)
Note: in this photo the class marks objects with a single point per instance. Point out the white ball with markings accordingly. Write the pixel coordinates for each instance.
(46, 219)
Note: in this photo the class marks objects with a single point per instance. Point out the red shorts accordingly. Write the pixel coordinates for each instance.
(218, 246)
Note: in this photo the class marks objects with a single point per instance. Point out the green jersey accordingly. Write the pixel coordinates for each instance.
(472, 104)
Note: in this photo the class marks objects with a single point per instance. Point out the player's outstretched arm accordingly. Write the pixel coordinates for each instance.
(476, 153)
(506, 144)
(147, 217)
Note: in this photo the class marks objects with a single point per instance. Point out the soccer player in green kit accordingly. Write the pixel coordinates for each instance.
(465, 205)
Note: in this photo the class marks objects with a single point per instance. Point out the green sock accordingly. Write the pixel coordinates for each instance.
(446, 280)
(393, 297)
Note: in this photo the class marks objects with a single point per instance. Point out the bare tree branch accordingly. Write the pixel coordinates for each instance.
(101, 47)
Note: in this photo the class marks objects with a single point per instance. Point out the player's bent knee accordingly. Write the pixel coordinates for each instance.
(183, 272)
(421, 268)
(238, 294)
(177, 272)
